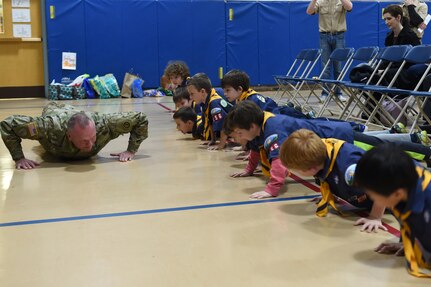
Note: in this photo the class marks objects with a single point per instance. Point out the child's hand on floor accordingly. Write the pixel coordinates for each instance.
(370, 224)
(216, 147)
(260, 195)
(243, 155)
(241, 174)
(391, 248)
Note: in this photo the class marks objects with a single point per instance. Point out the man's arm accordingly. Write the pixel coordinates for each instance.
(135, 123)
(311, 9)
(15, 128)
(416, 14)
(347, 5)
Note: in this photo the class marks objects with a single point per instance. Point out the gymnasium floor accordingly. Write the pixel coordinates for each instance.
(171, 217)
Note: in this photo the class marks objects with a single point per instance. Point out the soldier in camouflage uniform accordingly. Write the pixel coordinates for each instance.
(68, 133)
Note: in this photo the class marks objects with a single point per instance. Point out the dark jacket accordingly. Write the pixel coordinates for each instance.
(406, 37)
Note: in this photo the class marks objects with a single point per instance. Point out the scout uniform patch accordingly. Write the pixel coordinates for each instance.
(216, 114)
(271, 143)
(349, 174)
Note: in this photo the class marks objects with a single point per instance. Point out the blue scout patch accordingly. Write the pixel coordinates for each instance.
(262, 99)
(271, 142)
(350, 174)
(223, 103)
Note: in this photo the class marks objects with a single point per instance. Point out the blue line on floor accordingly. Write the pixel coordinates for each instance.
(162, 210)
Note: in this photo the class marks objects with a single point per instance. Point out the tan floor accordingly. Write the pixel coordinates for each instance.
(277, 243)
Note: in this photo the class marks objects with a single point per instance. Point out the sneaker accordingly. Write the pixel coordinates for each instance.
(342, 98)
(399, 128)
(298, 108)
(290, 105)
(360, 128)
(310, 115)
(423, 138)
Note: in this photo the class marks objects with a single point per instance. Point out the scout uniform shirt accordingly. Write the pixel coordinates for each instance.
(197, 108)
(265, 103)
(214, 110)
(415, 219)
(336, 177)
(332, 16)
(198, 128)
(51, 131)
(269, 105)
(277, 128)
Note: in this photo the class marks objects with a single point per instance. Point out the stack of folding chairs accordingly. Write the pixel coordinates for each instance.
(365, 101)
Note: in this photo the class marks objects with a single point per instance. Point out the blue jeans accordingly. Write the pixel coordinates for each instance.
(328, 43)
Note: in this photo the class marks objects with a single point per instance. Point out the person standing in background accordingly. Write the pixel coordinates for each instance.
(416, 11)
(332, 26)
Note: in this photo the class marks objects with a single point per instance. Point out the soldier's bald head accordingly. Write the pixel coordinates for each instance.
(80, 119)
(81, 131)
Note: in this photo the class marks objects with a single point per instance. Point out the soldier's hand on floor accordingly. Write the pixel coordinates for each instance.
(25, 164)
(260, 195)
(391, 248)
(369, 224)
(124, 156)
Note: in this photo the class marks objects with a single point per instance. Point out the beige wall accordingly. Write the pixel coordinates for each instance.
(21, 62)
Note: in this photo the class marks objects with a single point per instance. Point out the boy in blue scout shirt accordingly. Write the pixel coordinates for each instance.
(214, 109)
(188, 122)
(332, 162)
(236, 87)
(391, 178)
(265, 133)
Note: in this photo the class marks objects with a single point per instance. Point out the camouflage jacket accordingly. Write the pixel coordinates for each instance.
(50, 131)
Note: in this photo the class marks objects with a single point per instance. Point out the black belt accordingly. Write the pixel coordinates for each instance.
(333, 33)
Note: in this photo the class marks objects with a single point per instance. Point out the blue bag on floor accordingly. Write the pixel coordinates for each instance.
(89, 90)
(137, 91)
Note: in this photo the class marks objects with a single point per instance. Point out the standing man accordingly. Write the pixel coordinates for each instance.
(332, 26)
(416, 12)
(68, 133)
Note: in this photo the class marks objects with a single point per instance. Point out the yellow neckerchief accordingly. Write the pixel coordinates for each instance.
(266, 165)
(244, 96)
(333, 146)
(412, 251)
(207, 127)
(196, 128)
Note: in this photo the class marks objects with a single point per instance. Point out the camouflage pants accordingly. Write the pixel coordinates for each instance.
(54, 108)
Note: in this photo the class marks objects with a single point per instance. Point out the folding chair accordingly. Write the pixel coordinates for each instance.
(351, 89)
(338, 55)
(391, 55)
(417, 55)
(291, 85)
(292, 72)
(362, 55)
